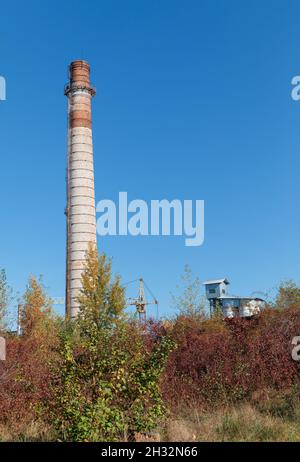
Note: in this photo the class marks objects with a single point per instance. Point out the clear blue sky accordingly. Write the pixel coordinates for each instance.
(193, 102)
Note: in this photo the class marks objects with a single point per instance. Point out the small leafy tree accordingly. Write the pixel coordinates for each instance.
(5, 298)
(107, 384)
(189, 301)
(36, 307)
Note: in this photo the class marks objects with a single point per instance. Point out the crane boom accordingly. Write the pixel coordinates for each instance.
(141, 302)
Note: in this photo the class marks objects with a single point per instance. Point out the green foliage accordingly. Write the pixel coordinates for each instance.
(99, 295)
(107, 384)
(217, 314)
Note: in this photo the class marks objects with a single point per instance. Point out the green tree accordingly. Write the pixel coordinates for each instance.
(288, 295)
(106, 386)
(101, 299)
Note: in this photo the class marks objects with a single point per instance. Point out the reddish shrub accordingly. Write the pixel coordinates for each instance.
(214, 365)
(24, 379)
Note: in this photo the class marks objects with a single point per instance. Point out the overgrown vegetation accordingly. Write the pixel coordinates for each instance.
(188, 301)
(106, 382)
(5, 298)
(105, 377)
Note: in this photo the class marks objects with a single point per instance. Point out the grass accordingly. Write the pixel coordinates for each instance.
(244, 423)
(35, 431)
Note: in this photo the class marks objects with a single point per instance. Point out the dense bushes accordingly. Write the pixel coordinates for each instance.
(93, 379)
(24, 380)
(224, 364)
(106, 383)
(105, 377)
(109, 390)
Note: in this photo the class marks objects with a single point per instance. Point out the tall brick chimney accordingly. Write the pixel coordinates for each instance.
(80, 210)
